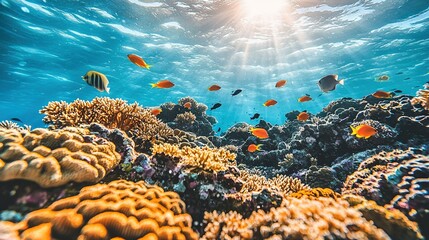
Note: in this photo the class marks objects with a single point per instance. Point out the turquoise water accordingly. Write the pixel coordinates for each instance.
(46, 46)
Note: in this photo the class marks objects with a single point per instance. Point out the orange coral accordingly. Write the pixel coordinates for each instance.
(315, 193)
(54, 158)
(112, 113)
(209, 159)
(322, 218)
(120, 209)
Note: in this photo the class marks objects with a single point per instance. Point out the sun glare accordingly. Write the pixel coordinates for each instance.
(263, 8)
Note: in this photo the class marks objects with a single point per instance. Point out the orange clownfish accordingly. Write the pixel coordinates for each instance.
(305, 98)
(156, 111)
(270, 102)
(281, 83)
(187, 105)
(259, 132)
(253, 148)
(363, 131)
(137, 60)
(214, 87)
(162, 84)
(303, 116)
(382, 94)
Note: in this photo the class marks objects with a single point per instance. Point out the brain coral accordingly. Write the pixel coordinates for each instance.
(208, 159)
(397, 179)
(112, 113)
(322, 218)
(54, 158)
(120, 210)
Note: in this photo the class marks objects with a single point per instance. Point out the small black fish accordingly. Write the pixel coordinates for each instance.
(397, 91)
(255, 116)
(399, 73)
(216, 105)
(236, 92)
(218, 130)
(407, 78)
(308, 95)
(16, 119)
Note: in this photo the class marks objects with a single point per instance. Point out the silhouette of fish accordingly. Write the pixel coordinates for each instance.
(218, 130)
(236, 92)
(16, 119)
(399, 73)
(216, 105)
(255, 116)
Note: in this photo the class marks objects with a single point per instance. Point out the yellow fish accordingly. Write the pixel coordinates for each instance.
(363, 131)
(97, 80)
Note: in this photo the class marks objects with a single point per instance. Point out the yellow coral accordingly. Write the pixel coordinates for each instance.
(315, 193)
(53, 158)
(209, 159)
(322, 218)
(112, 113)
(120, 209)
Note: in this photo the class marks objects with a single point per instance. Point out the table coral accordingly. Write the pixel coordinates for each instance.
(322, 218)
(135, 120)
(54, 158)
(105, 211)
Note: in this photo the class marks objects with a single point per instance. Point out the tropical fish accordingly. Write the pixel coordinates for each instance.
(214, 87)
(397, 91)
(328, 83)
(255, 116)
(218, 130)
(281, 83)
(137, 60)
(382, 78)
(97, 80)
(407, 78)
(252, 147)
(363, 131)
(382, 94)
(236, 92)
(156, 111)
(270, 102)
(305, 98)
(216, 105)
(162, 84)
(16, 119)
(303, 116)
(399, 73)
(187, 105)
(259, 132)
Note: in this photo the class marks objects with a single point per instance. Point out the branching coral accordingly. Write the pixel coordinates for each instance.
(208, 159)
(112, 113)
(324, 218)
(54, 158)
(316, 193)
(186, 118)
(422, 97)
(120, 209)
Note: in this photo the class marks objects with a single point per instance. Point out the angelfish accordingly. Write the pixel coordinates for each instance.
(328, 83)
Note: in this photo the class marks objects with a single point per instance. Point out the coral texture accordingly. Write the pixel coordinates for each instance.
(135, 120)
(324, 218)
(397, 179)
(422, 97)
(120, 209)
(208, 159)
(54, 158)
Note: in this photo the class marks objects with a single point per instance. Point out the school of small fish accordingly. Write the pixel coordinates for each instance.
(326, 84)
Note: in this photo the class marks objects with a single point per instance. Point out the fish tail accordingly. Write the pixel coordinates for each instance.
(107, 89)
(354, 131)
(148, 66)
(258, 147)
(153, 85)
(341, 82)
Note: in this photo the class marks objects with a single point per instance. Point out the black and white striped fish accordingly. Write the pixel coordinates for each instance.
(97, 80)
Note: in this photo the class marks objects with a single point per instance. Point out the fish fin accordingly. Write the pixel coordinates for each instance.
(259, 147)
(341, 82)
(367, 137)
(108, 90)
(336, 76)
(353, 130)
(148, 66)
(153, 85)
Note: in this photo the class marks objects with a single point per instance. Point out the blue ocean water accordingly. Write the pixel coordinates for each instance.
(46, 46)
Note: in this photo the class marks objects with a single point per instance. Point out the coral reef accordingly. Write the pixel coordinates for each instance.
(193, 119)
(397, 179)
(54, 158)
(422, 97)
(133, 119)
(324, 218)
(105, 211)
